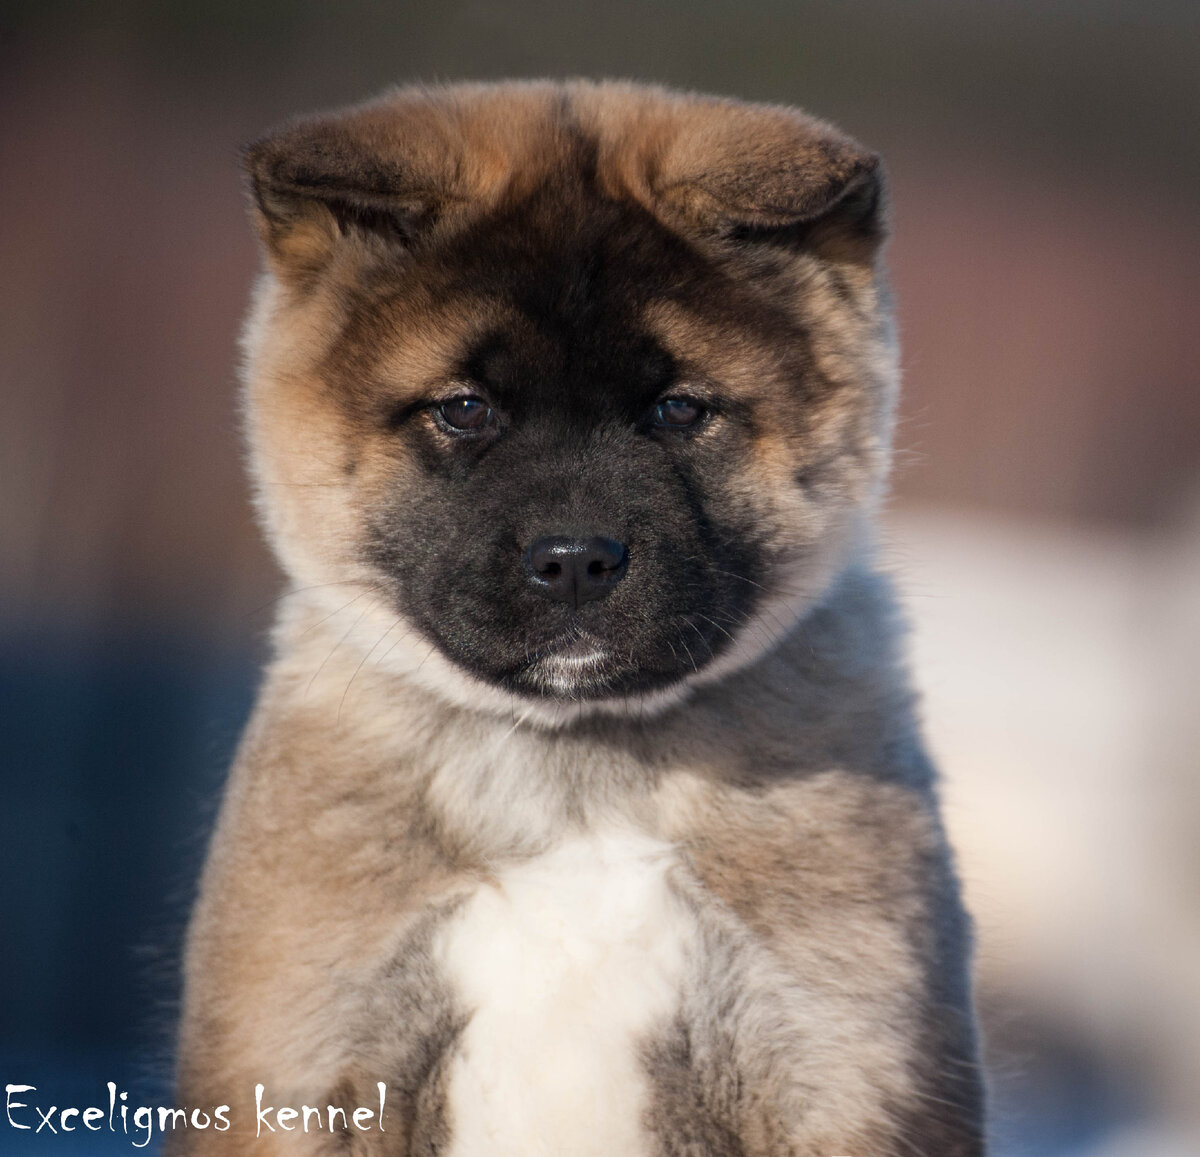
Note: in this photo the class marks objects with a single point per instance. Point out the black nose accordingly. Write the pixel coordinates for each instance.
(577, 570)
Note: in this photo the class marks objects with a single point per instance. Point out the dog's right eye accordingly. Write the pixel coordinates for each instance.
(678, 414)
(466, 415)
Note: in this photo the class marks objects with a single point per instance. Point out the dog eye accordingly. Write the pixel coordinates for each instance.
(467, 414)
(678, 414)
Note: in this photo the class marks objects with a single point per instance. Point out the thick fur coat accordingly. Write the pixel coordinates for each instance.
(583, 810)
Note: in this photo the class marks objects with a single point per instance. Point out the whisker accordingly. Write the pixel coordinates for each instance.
(331, 614)
(362, 662)
(335, 647)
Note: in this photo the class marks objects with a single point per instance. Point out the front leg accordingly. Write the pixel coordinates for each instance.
(829, 1010)
(362, 1074)
(318, 1015)
(761, 1062)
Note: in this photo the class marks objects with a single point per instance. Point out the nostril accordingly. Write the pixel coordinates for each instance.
(576, 570)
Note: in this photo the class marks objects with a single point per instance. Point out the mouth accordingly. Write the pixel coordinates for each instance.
(580, 666)
(587, 661)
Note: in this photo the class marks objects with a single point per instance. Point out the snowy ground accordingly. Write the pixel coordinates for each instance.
(1062, 701)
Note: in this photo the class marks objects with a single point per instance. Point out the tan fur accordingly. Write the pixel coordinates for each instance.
(379, 785)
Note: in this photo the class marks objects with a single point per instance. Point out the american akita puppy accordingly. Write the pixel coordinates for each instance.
(583, 810)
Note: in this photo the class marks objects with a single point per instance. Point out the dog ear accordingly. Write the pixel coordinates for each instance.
(773, 175)
(346, 181)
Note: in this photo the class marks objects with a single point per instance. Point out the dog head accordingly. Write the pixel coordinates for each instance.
(585, 386)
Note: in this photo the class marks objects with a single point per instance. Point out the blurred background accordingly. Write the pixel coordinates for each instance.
(1045, 164)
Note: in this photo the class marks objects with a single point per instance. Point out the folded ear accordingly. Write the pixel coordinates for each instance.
(774, 175)
(331, 183)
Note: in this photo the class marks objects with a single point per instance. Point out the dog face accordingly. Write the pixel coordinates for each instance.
(581, 387)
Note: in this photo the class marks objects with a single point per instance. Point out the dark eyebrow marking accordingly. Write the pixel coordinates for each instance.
(489, 362)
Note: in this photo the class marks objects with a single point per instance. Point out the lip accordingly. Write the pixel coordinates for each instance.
(578, 665)
(570, 666)
(576, 656)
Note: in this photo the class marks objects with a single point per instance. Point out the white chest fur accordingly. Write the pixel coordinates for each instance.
(568, 962)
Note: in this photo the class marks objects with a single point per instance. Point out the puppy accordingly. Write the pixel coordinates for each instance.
(583, 810)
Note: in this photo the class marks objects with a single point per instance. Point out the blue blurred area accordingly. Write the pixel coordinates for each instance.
(77, 1077)
(115, 747)
(1058, 1104)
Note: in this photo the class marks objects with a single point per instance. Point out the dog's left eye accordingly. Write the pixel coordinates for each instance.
(467, 414)
(677, 414)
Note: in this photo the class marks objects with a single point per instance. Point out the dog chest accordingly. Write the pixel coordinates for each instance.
(568, 964)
